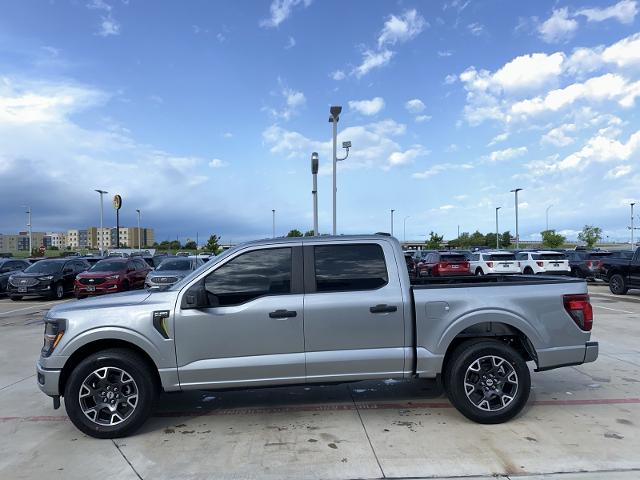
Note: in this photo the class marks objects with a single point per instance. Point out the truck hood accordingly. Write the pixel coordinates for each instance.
(107, 301)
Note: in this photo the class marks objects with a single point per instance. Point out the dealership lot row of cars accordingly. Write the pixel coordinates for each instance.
(88, 276)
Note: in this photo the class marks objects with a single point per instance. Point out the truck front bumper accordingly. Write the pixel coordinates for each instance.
(48, 380)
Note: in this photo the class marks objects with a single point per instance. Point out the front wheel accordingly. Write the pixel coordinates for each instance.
(618, 285)
(487, 381)
(57, 292)
(110, 393)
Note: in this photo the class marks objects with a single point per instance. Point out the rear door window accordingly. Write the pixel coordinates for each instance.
(344, 268)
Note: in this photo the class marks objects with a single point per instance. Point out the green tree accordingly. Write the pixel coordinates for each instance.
(551, 239)
(590, 235)
(477, 239)
(294, 233)
(309, 233)
(191, 245)
(213, 244)
(505, 239)
(435, 241)
(490, 240)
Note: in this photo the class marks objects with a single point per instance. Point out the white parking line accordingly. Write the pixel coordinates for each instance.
(39, 305)
(613, 309)
(18, 310)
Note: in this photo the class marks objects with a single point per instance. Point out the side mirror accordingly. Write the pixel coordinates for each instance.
(198, 297)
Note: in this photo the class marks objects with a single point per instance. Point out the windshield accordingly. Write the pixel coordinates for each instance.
(45, 267)
(175, 264)
(108, 266)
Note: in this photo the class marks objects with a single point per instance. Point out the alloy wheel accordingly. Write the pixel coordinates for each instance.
(108, 396)
(491, 383)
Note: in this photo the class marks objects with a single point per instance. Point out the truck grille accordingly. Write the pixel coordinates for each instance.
(24, 282)
(92, 281)
(163, 280)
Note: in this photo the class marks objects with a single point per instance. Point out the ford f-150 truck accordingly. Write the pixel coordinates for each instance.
(622, 272)
(311, 310)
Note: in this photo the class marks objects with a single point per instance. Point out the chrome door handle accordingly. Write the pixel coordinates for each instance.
(283, 314)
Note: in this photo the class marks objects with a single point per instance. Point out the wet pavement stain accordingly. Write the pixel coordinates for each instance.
(531, 439)
(312, 440)
(332, 445)
(617, 436)
(169, 430)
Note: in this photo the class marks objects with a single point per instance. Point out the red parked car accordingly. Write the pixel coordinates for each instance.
(443, 264)
(112, 275)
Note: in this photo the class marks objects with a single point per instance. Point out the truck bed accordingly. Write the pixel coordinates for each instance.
(489, 280)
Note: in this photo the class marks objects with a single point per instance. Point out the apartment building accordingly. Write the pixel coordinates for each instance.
(76, 239)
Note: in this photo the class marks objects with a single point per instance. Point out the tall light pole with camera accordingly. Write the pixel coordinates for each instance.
(334, 118)
(314, 172)
(101, 233)
(497, 230)
(516, 190)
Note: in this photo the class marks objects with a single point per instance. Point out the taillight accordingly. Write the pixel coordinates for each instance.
(589, 264)
(490, 264)
(579, 308)
(540, 264)
(443, 265)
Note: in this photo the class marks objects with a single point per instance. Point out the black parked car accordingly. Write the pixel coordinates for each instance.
(9, 266)
(585, 264)
(46, 278)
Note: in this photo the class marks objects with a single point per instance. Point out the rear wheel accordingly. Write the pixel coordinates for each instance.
(487, 381)
(528, 271)
(618, 284)
(479, 272)
(57, 292)
(110, 394)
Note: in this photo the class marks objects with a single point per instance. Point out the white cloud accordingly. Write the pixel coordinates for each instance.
(558, 27)
(506, 154)
(367, 107)
(401, 29)
(501, 137)
(294, 100)
(423, 118)
(291, 42)
(372, 59)
(99, 5)
(227, 135)
(217, 163)
(558, 136)
(444, 53)
(625, 53)
(529, 71)
(447, 207)
(375, 145)
(338, 75)
(603, 147)
(619, 171)
(440, 168)
(449, 79)
(280, 10)
(415, 105)
(476, 29)
(624, 11)
(109, 27)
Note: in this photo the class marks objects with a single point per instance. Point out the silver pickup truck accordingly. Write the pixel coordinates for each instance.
(311, 310)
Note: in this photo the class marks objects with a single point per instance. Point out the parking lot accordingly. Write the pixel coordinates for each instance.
(581, 419)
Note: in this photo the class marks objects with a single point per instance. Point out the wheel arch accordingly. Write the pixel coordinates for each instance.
(103, 344)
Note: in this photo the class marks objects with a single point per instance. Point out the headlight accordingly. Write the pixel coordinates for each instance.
(46, 278)
(113, 277)
(53, 331)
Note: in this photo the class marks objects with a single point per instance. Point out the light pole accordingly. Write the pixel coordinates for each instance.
(547, 214)
(139, 239)
(392, 210)
(516, 190)
(314, 172)
(28, 212)
(404, 228)
(334, 118)
(100, 236)
(273, 222)
(497, 230)
(632, 204)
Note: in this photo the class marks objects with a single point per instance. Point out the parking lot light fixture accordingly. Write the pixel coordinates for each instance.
(28, 212)
(100, 234)
(314, 172)
(497, 230)
(516, 190)
(273, 223)
(392, 210)
(547, 215)
(632, 204)
(139, 239)
(335, 111)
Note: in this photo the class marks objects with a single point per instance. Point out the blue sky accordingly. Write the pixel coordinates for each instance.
(204, 114)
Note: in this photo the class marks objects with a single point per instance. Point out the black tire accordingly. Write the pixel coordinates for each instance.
(57, 292)
(618, 284)
(15, 298)
(528, 271)
(116, 359)
(498, 387)
(479, 272)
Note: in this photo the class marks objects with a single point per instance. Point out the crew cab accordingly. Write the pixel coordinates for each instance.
(493, 262)
(443, 264)
(311, 310)
(621, 272)
(543, 262)
(112, 275)
(51, 278)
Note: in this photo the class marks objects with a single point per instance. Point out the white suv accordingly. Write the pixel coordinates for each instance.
(493, 262)
(544, 262)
